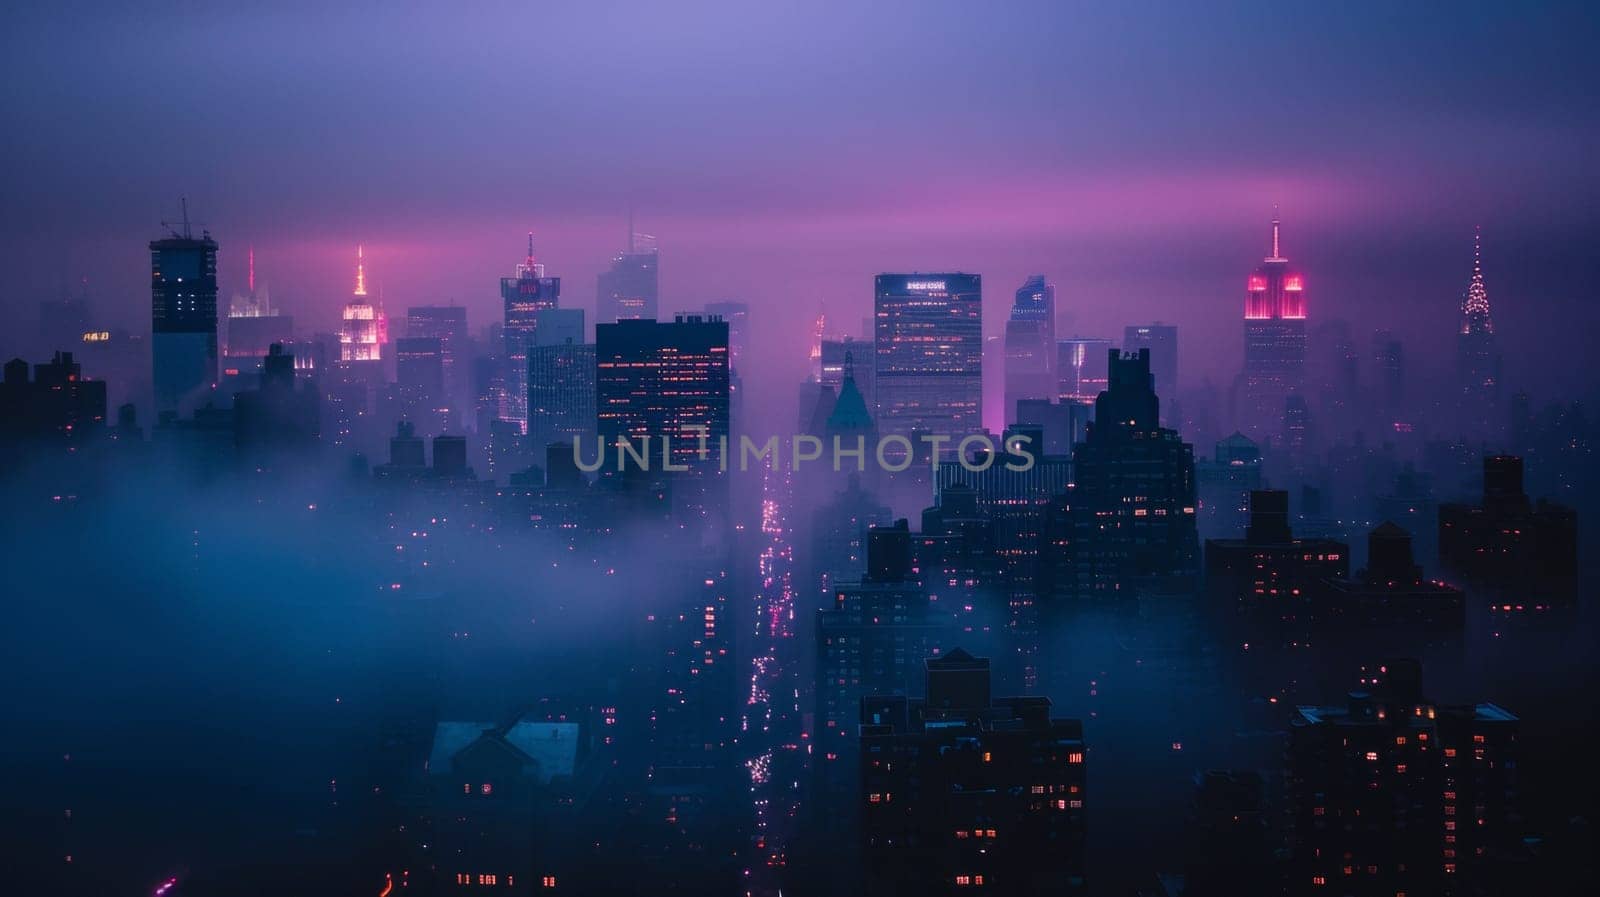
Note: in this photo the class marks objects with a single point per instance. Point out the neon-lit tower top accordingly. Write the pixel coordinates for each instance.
(1475, 308)
(364, 328)
(530, 269)
(361, 270)
(1273, 291)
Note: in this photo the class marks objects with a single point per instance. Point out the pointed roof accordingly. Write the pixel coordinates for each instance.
(850, 410)
(1477, 301)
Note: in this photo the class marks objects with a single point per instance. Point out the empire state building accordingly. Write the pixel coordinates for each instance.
(1274, 343)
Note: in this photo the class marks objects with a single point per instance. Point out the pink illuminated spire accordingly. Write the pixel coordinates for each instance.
(252, 281)
(361, 270)
(530, 250)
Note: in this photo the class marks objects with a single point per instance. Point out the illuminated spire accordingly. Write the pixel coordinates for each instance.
(252, 281)
(361, 270)
(1276, 255)
(530, 250)
(1476, 306)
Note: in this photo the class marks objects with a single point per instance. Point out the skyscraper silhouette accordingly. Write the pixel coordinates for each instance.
(1274, 344)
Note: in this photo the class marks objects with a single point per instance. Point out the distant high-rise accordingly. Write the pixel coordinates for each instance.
(525, 295)
(1030, 345)
(561, 380)
(1081, 368)
(183, 303)
(663, 379)
(1274, 343)
(1477, 357)
(630, 288)
(448, 325)
(360, 337)
(929, 346)
(737, 316)
(1131, 513)
(1162, 341)
(419, 386)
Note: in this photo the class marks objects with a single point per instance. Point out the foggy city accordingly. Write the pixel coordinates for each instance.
(758, 449)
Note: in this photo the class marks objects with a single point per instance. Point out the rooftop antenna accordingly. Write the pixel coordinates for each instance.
(361, 270)
(1275, 254)
(252, 280)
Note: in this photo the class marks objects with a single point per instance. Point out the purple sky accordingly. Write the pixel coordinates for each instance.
(785, 152)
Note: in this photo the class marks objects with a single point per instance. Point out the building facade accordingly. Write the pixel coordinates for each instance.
(928, 336)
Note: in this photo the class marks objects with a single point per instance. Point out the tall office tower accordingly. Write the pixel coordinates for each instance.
(183, 303)
(1081, 368)
(1162, 341)
(1477, 357)
(561, 382)
(1224, 483)
(1130, 519)
(359, 337)
(870, 641)
(1388, 356)
(419, 383)
(962, 792)
(1017, 502)
(630, 289)
(525, 295)
(1274, 344)
(929, 342)
(1394, 794)
(1030, 345)
(448, 325)
(660, 379)
(737, 314)
(248, 333)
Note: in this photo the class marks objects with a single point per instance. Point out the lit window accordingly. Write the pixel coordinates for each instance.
(488, 788)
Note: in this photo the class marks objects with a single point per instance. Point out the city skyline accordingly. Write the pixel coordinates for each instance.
(873, 448)
(1382, 200)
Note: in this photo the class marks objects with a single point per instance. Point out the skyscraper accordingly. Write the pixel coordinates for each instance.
(663, 379)
(737, 316)
(1274, 344)
(1130, 517)
(1031, 345)
(359, 337)
(448, 325)
(1477, 357)
(525, 295)
(183, 304)
(1162, 341)
(929, 345)
(561, 380)
(1081, 368)
(629, 289)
